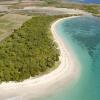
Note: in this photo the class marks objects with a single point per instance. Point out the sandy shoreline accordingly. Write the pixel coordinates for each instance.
(31, 88)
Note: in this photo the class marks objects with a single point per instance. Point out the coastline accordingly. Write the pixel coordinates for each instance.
(65, 73)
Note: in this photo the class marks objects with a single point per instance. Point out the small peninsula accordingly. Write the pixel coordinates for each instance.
(29, 51)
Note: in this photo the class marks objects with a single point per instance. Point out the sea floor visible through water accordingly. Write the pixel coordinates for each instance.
(83, 35)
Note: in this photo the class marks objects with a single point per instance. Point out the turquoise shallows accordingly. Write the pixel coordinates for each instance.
(83, 35)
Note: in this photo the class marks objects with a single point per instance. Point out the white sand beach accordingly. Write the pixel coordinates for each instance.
(64, 74)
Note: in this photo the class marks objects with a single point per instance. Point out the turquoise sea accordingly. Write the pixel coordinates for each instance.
(83, 35)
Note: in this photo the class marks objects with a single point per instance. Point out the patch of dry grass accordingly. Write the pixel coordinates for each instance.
(9, 22)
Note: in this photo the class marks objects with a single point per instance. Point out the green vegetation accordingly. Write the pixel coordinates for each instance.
(51, 1)
(29, 51)
(94, 9)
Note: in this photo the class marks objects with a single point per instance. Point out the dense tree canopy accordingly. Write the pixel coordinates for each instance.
(29, 51)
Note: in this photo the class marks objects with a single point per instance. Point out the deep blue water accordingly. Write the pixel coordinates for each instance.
(85, 1)
(83, 35)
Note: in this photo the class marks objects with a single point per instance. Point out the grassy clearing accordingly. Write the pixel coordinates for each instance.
(1, 32)
(9, 22)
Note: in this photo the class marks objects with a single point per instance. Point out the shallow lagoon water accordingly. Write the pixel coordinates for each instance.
(83, 35)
